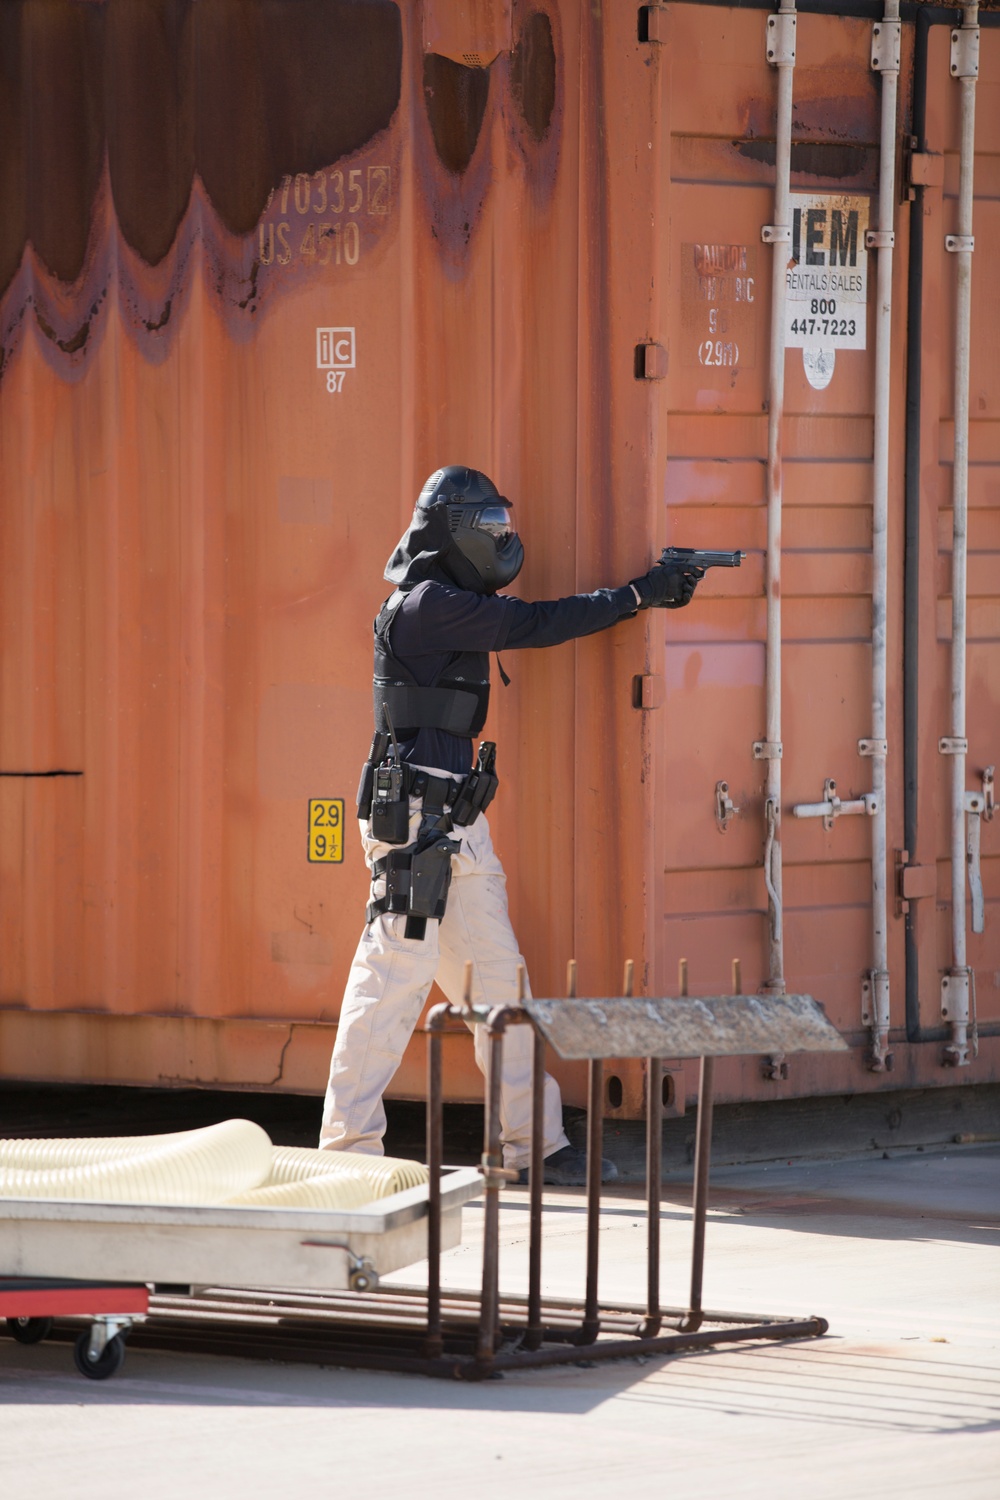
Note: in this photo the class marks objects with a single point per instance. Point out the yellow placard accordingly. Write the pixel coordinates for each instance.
(326, 830)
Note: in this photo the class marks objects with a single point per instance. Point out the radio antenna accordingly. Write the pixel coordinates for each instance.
(392, 732)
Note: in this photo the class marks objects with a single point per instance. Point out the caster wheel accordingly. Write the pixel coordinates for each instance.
(110, 1362)
(29, 1330)
(360, 1282)
(363, 1277)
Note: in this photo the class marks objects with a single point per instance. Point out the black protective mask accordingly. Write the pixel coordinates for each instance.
(463, 530)
(484, 539)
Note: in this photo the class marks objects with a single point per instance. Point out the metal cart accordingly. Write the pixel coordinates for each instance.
(56, 1257)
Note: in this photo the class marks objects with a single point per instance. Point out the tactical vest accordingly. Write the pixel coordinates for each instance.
(456, 701)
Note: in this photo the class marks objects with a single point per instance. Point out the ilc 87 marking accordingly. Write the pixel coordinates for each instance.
(326, 830)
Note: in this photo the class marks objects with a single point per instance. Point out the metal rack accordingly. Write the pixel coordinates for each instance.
(705, 1027)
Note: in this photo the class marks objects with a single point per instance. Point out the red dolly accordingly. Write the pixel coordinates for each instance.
(31, 1305)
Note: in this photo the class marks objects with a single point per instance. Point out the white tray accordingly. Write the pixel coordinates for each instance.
(284, 1248)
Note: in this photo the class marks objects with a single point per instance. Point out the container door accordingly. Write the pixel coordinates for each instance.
(926, 880)
(720, 99)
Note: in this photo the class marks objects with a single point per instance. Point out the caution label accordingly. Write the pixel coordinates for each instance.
(719, 305)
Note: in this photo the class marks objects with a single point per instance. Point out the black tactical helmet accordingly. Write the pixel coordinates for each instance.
(486, 552)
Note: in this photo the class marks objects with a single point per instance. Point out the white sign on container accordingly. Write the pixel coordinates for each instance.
(826, 283)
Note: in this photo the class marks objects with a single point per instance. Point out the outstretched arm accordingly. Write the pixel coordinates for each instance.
(442, 617)
(550, 622)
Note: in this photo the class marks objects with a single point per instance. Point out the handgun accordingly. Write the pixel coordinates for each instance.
(697, 562)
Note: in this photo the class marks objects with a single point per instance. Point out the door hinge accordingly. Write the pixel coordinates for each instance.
(647, 690)
(653, 20)
(650, 362)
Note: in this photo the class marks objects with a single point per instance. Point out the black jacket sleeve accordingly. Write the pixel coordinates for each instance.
(550, 622)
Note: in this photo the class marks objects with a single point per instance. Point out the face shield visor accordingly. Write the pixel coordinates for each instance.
(497, 522)
(487, 539)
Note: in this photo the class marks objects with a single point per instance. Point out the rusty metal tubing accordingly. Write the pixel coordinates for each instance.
(492, 1164)
(672, 1343)
(274, 1309)
(595, 1140)
(702, 1156)
(435, 1154)
(298, 1311)
(654, 1173)
(265, 1343)
(462, 1304)
(486, 1344)
(536, 1173)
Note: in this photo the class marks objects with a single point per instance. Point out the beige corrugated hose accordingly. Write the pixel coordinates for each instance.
(192, 1166)
(232, 1162)
(388, 1173)
(303, 1178)
(328, 1191)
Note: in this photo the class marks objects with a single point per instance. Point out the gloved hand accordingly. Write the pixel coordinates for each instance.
(667, 586)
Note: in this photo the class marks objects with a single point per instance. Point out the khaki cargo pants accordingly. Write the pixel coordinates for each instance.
(388, 985)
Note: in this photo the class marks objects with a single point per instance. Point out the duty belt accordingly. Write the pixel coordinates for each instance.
(418, 875)
(436, 791)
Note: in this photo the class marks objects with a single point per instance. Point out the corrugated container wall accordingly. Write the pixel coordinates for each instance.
(265, 264)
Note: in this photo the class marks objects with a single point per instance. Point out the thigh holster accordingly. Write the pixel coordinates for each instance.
(416, 883)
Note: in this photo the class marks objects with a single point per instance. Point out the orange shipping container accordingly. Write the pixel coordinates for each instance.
(267, 263)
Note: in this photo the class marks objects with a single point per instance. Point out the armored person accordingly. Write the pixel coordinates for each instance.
(438, 892)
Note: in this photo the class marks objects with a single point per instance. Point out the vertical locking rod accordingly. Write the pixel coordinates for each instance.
(965, 67)
(781, 55)
(885, 60)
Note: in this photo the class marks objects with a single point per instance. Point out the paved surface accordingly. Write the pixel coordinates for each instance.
(902, 1398)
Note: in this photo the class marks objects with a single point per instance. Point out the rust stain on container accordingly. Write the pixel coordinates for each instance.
(456, 97)
(175, 124)
(267, 264)
(533, 73)
(52, 145)
(817, 159)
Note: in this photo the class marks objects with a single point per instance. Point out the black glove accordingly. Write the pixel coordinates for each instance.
(667, 586)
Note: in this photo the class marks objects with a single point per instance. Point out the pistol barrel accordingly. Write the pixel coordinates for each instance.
(698, 559)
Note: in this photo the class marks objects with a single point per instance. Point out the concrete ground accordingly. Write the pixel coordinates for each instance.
(901, 1398)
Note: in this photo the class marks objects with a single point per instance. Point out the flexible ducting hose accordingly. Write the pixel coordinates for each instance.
(233, 1162)
(328, 1191)
(192, 1166)
(302, 1178)
(388, 1174)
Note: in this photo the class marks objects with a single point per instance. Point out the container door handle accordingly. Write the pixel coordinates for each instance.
(978, 805)
(972, 830)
